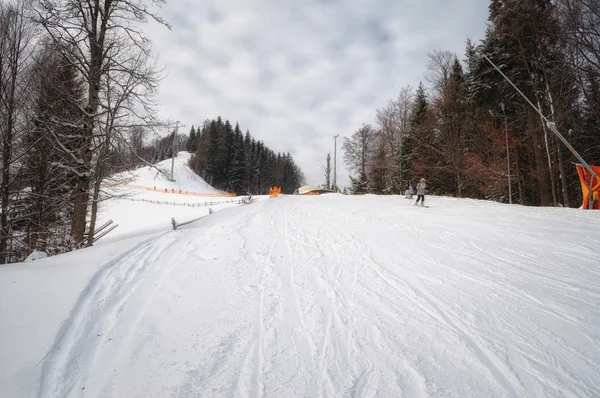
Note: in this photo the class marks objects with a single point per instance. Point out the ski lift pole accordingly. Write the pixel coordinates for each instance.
(552, 127)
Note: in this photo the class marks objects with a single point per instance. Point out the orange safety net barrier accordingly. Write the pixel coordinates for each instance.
(274, 192)
(584, 176)
(182, 192)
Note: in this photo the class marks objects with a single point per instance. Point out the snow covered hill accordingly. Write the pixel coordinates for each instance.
(316, 296)
(184, 177)
(139, 211)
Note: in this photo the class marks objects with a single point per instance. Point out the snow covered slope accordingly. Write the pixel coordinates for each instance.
(138, 211)
(316, 296)
(184, 177)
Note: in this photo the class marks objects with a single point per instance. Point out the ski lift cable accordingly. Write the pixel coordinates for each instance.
(551, 126)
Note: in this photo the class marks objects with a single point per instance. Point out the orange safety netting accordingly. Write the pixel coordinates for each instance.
(182, 192)
(584, 176)
(274, 192)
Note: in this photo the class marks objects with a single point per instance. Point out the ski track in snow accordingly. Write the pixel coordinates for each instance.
(323, 297)
(88, 329)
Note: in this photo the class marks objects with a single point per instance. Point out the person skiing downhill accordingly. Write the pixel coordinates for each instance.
(421, 192)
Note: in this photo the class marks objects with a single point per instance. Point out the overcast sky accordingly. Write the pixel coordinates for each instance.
(297, 72)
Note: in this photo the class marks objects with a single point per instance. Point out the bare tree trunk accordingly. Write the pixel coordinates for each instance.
(547, 146)
(82, 187)
(7, 143)
(5, 193)
(563, 174)
(328, 172)
(100, 169)
(13, 40)
(541, 166)
(519, 185)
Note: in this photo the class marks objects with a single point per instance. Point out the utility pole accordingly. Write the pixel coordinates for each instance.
(507, 154)
(173, 149)
(335, 162)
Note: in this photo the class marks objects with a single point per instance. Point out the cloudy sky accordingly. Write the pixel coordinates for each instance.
(297, 72)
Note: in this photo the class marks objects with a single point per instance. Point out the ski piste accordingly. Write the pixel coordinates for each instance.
(335, 295)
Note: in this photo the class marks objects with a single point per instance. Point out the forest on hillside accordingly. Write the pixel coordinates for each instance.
(77, 105)
(235, 162)
(456, 132)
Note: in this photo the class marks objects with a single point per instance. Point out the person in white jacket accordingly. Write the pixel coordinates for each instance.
(421, 192)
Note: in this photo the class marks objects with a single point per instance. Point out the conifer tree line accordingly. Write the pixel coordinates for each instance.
(78, 84)
(453, 132)
(235, 162)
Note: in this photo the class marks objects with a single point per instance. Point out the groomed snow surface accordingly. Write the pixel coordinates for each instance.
(328, 296)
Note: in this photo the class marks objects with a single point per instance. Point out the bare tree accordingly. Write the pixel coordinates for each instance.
(439, 69)
(16, 49)
(581, 29)
(394, 124)
(137, 136)
(127, 102)
(358, 149)
(328, 172)
(93, 35)
(379, 166)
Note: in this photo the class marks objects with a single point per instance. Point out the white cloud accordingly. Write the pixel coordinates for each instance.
(295, 73)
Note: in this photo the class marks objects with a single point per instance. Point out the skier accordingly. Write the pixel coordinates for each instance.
(421, 192)
(409, 191)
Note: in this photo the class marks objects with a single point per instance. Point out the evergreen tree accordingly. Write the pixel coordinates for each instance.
(226, 154)
(238, 166)
(249, 166)
(248, 148)
(191, 142)
(526, 34)
(47, 168)
(418, 139)
(360, 185)
(213, 168)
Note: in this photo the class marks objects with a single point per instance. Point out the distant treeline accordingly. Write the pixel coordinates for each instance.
(232, 161)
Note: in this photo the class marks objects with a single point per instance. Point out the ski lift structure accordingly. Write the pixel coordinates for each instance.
(587, 174)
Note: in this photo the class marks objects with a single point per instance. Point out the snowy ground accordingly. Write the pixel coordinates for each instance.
(316, 296)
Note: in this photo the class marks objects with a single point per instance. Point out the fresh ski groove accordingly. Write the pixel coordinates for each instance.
(94, 315)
